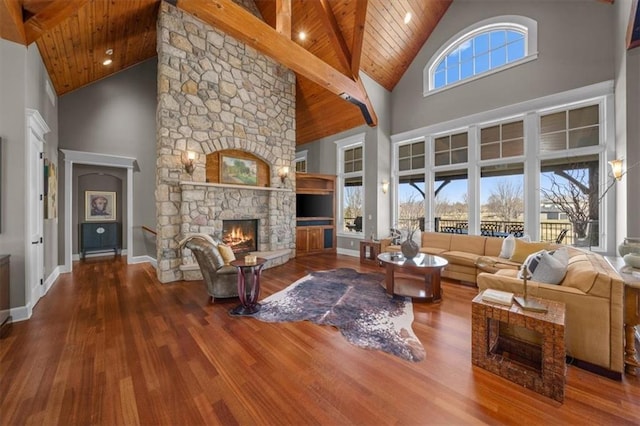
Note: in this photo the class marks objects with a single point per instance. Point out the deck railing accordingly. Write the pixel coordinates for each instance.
(549, 231)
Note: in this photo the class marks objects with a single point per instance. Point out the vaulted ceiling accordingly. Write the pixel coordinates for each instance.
(342, 38)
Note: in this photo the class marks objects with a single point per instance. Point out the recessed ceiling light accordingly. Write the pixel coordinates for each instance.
(107, 62)
(302, 35)
(407, 17)
(109, 52)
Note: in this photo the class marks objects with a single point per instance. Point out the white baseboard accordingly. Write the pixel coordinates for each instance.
(348, 252)
(143, 259)
(21, 313)
(51, 279)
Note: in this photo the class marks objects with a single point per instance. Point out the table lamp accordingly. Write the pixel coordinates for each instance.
(525, 303)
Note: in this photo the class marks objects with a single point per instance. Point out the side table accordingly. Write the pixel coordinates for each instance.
(248, 286)
(369, 251)
(631, 280)
(524, 347)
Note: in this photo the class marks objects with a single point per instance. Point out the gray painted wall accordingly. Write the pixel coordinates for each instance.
(575, 42)
(22, 85)
(322, 154)
(117, 116)
(627, 100)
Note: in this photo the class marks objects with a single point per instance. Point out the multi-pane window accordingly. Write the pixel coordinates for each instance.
(479, 54)
(411, 156)
(502, 200)
(451, 149)
(451, 207)
(411, 185)
(482, 190)
(574, 128)
(482, 48)
(301, 166)
(301, 161)
(351, 180)
(570, 198)
(353, 160)
(502, 140)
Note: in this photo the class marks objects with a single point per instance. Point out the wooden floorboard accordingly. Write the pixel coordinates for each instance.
(110, 345)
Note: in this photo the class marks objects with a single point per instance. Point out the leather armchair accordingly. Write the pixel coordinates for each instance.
(221, 281)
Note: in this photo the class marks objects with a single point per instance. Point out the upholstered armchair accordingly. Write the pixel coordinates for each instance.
(220, 280)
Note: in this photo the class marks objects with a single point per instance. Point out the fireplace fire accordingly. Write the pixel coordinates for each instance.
(241, 235)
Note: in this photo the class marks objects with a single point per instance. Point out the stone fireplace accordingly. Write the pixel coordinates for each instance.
(216, 94)
(241, 235)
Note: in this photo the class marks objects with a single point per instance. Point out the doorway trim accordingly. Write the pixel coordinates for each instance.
(93, 159)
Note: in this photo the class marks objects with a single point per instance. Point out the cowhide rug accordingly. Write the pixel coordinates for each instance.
(355, 303)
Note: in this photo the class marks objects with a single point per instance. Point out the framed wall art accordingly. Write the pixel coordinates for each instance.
(99, 206)
(241, 171)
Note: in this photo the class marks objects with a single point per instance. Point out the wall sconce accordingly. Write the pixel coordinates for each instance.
(385, 186)
(616, 169)
(188, 162)
(283, 173)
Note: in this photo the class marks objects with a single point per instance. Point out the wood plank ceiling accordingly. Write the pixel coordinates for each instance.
(73, 37)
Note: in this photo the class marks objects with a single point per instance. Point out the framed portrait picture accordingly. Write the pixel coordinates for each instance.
(241, 171)
(99, 206)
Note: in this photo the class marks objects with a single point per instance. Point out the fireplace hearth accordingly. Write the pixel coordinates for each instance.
(241, 235)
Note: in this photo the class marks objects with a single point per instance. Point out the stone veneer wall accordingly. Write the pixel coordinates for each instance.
(216, 93)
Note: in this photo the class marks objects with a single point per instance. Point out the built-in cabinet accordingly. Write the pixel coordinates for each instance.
(315, 213)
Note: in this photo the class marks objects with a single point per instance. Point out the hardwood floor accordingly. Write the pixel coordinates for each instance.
(110, 345)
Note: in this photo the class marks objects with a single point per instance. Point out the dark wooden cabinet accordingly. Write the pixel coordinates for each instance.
(5, 292)
(99, 236)
(315, 213)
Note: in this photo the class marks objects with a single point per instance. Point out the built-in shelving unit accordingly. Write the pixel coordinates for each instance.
(315, 213)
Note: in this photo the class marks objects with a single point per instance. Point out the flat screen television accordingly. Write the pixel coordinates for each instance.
(314, 205)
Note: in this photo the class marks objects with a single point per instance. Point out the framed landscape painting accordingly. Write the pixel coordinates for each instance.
(241, 171)
(99, 206)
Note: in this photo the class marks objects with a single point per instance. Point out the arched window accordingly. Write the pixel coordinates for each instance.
(483, 48)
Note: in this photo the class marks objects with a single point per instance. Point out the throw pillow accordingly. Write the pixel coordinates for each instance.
(227, 253)
(509, 244)
(547, 267)
(523, 249)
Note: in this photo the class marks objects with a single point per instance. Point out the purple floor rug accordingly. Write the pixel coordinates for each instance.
(355, 303)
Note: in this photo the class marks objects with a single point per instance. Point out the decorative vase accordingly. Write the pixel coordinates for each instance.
(629, 245)
(409, 248)
(632, 259)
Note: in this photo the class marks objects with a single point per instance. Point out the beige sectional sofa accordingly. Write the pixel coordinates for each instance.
(462, 252)
(592, 291)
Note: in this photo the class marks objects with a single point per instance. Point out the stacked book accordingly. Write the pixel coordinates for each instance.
(497, 296)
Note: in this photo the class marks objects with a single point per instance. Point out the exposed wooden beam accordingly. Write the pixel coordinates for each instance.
(11, 25)
(283, 17)
(358, 35)
(335, 35)
(342, 50)
(51, 16)
(239, 23)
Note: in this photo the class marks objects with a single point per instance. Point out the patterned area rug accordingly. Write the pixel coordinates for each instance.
(355, 303)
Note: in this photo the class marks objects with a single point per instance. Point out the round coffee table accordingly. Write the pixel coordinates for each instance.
(424, 265)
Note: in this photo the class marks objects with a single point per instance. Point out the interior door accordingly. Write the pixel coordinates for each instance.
(34, 262)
